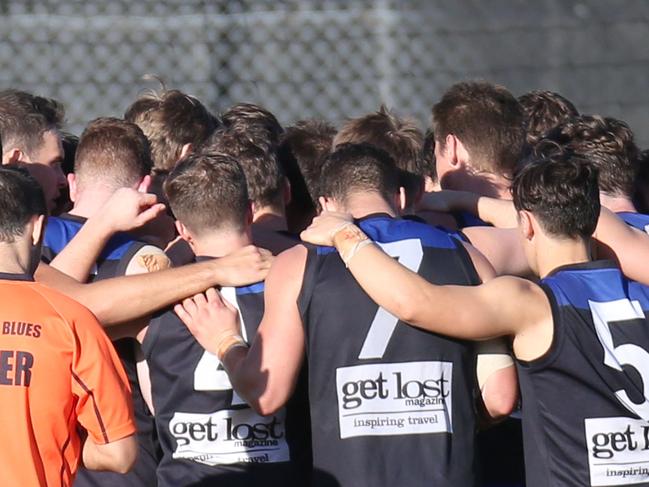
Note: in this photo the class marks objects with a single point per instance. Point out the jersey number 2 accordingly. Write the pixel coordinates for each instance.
(209, 374)
(627, 354)
(410, 254)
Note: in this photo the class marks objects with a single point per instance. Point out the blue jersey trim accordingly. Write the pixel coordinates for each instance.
(635, 220)
(257, 288)
(578, 287)
(60, 231)
(386, 229)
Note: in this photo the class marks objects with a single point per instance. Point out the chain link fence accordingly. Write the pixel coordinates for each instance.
(329, 59)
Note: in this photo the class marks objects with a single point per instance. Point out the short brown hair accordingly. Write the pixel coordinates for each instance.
(606, 143)
(544, 110)
(487, 119)
(170, 119)
(399, 137)
(263, 174)
(112, 151)
(258, 124)
(428, 162)
(24, 118)
(207, 191)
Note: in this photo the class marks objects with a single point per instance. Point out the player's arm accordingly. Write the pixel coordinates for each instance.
(627, 245)
(126, 298)
(502, 248)
(103, 407)
(468, 312)
(264, 375)
(125, 210)
(495, 368)
(500, 213)
(116, 456)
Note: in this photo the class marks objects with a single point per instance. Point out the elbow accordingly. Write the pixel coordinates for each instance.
(499, 405)
(267, 405)
(122, 458)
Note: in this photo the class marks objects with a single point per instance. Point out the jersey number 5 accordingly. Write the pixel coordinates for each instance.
(627, 354)
(410, 254)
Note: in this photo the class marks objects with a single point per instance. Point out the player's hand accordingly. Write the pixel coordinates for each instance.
(128, 209)
(245, 266)
(209, 317)
(324, 227)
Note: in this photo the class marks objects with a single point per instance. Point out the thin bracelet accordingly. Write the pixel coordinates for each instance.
(354, 250)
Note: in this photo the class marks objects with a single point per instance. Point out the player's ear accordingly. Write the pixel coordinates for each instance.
(183, 232)
(37, 228)
(13, 156)
(329, 204)
(186, 149)
(401, 199)
(72, 187)
(460, 154)
(144, 184)
(526, 224)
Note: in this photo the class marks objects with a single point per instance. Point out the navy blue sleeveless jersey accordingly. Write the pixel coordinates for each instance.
(390, 404)
(636, 220)
(208, 435)
(585, 403)
(113, 261)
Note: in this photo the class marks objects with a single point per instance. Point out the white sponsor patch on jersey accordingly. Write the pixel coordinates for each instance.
(395, 399)
(230, 436)
(618, 451)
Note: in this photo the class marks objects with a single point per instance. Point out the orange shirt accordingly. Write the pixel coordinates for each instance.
(58, 370)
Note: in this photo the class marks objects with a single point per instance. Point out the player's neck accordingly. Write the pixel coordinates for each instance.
(270, 219)
(554, 253)
(363, 204)
(13, 259)
(617, 204)
(91, 200)
(481, 183)
(219, 243)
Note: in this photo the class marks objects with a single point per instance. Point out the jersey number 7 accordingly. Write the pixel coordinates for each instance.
(409, 254)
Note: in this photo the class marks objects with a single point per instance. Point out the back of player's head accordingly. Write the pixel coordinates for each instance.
(399, 137)
(21, 198)
(263, 173)
(302, 151)
(359, 168)
(544, 110)
(487, 119)
(171, 119)
(207, 192)
(255, 122)
(560, 189)
(24, 118)
(641, 198)
(606, 143)
(112, 152)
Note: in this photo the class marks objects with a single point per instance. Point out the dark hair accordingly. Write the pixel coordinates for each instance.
(114, 151)
(207, 191)
(399, 137)
(70, 143)
(21, 198)
(560, 190)
(356, 168)
(487, 119)
(606, 143)
(544, 110)
(301, 153)
(24, 118)
(170, 119)
(641, 197)
(429, 165)
(257, 123)
(263, 173)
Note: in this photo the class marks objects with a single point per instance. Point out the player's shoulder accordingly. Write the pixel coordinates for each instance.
(386, 229)
(62, 304)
